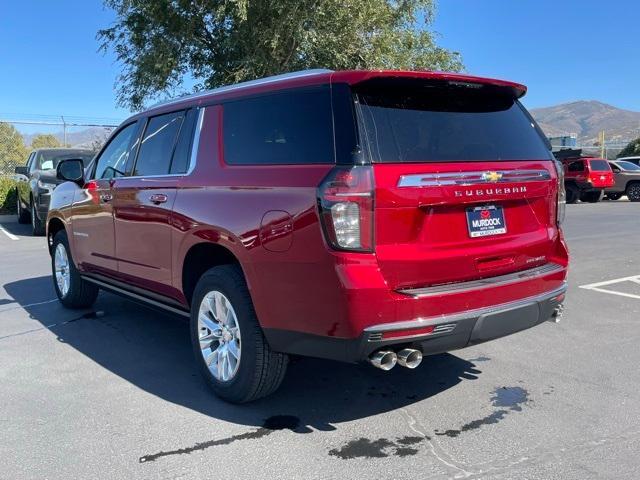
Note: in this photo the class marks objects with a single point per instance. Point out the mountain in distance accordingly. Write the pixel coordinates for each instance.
(586, 119)
(85, 138)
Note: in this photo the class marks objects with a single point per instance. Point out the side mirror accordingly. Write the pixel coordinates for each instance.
(71, 170)
(22, 170)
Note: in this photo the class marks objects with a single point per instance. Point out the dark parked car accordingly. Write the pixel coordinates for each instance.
(37, 179)
(627, 178)
(356, 216)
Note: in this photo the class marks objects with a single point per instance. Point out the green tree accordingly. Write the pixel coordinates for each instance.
(633, 149)
(159, 43)
(45, 141)
(12, 149)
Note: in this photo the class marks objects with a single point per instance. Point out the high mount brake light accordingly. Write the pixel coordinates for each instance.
(345, 198)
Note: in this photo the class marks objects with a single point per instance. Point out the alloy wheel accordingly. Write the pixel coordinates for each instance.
(219, 336)
(61, 267)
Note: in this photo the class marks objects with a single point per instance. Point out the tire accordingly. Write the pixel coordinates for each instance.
(78, 293)
(614, 195)
(633, 192)
(257, 370)
(37, 228)
(591, 197)
(23, 215)
(572, 193)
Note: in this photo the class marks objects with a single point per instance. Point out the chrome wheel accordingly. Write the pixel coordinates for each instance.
(61, 267)
(219, 336)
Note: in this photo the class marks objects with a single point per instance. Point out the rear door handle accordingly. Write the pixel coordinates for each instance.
(158, 198)
(106, 197)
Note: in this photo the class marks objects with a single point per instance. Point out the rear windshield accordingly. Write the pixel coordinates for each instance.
(599, 165)
(436, 123)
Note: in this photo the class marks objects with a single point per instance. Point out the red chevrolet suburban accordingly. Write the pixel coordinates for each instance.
(373, 216)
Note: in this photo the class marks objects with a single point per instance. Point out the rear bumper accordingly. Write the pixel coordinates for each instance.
(430, 335)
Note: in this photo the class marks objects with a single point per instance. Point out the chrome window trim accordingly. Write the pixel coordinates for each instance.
(471, 178)
(192, 159)
(457, 317)
(500, 280)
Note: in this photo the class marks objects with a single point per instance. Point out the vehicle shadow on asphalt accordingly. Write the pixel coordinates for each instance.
(152, 351)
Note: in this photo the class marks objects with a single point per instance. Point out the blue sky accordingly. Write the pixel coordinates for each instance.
(563, 50)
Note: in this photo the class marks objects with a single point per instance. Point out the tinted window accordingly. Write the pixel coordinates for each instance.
(576, 166)
(156, 148)
(112, 162)
(629, 166)
(286, 128)
(431, 123)
(182, 154)
(614, 167)
(599, 165)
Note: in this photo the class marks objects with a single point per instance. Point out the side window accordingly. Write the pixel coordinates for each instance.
(614, 168)
(156, 148)
(112, 162)
(294, 127)
(182, 154)
(576, 166)
(30, 162)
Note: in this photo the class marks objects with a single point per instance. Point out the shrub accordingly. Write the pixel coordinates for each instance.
(7, 195)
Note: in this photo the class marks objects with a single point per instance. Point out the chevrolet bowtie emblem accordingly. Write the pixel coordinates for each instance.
(491, 176)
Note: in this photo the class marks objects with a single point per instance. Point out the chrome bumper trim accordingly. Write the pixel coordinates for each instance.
(456, 317)
(472, 178)
(500, 280)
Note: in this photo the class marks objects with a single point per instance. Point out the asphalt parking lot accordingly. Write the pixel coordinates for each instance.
(117, 395)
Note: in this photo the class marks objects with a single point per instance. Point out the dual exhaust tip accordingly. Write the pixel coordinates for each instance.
(387, 359)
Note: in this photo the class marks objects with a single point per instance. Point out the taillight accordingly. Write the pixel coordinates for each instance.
(561, 201)
(345, 198)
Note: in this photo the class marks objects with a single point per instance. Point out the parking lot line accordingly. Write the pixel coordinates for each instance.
(10, 235)
(597, 287)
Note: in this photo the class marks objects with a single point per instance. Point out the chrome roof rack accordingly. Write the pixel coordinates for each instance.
(241, 85)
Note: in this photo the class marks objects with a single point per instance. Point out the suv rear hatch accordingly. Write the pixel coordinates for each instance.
(465, 186)
(600, 173)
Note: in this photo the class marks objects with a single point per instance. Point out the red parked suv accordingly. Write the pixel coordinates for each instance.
(353, 216)
(586, 178)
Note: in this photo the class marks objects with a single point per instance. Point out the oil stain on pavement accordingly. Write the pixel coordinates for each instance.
(380, 448)
(271, 424)
(506, 399)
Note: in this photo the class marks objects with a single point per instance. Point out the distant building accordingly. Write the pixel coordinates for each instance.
(564, 141)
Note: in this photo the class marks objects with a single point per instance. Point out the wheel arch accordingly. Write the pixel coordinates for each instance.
(201, 257)
(54, 225)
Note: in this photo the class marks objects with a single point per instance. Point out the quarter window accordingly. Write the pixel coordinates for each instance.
(156, 148)
(113, 160)
(293, 127)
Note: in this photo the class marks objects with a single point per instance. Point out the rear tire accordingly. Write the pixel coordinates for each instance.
(72, 290)
(23, 215)
(572, 193)
(591, 197)
(37, 228)
(256, 370)
(633, 192)
(614, 195)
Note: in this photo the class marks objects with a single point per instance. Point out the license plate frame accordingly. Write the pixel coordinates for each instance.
(482, 225)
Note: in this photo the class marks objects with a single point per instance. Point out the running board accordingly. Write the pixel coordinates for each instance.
(135, 296)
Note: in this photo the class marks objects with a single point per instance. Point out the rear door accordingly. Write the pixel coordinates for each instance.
(143, 201)
(465, 186)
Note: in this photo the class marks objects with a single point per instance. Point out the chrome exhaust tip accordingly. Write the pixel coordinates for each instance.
(383, 359)
(409, 357)
(556, 316)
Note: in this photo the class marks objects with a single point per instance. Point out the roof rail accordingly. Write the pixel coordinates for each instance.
(241, 85)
